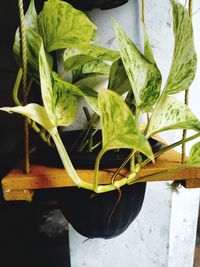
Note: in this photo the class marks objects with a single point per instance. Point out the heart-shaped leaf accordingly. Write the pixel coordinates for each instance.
(194, 156)
(78, 55)
(31, 23)
(60, 24)
(184, 61)
(70, 89)
(171, 114)
(144, 77)
(59, 104)
(95, 67)
(148, 53)
(118, 79)
(119, 129)
(34, 112)
(33, 43)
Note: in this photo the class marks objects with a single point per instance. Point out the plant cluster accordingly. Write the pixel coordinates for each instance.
(134, 87)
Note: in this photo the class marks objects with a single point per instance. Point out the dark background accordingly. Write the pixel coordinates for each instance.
(26, 237)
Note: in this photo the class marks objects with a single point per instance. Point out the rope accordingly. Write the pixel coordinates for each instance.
(183, 156)
(24, 83)
(142, 18)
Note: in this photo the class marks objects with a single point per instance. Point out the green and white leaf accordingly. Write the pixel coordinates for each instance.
(33, 42)
(171, 114)
(70, 89)
(194, 156)
(144, 77)
(119, 128)
(79, 55)
(184, 61)
(148, 53)
(95, 67)
(61, 25)
(118, 79)
(31, 23)
(60, 106)
(34, 112)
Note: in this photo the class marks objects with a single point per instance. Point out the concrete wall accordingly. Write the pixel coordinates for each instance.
(163, 235)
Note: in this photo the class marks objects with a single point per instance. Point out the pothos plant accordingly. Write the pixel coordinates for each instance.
(134, 88)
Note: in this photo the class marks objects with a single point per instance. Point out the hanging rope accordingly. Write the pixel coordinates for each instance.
(24, 83)
(183, 158)
(142, 17)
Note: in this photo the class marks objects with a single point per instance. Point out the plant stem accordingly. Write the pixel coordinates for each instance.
(122, 166)
(152, 177)
(132, 162)
(67, 162)
(18, 103)
(16, 87)
(167, 148)
(96, 174)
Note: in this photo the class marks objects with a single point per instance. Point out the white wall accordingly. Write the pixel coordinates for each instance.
(163, 235)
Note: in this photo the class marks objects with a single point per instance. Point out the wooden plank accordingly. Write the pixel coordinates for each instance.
(14, 195)
(47, 177)
(19, 186)
(192, 183)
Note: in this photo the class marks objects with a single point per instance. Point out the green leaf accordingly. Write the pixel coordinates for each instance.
(33, 40)
(118, 79)
(171, 114)
(34, 112)
(184, 61)
(61, 25)
(94, 67)
(119, 129)
(89, 94)
(145, 78)
(148, 53)
(87, 53)
(194, 156)
(59, 104)
(31, 23)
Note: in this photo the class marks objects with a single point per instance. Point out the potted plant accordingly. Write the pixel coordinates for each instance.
(134, 89)
(103, 4)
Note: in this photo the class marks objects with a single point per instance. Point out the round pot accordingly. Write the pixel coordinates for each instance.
(90, 4)
(105, 215)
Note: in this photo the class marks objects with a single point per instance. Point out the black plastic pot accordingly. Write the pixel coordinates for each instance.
(96, 215)
(90, 4)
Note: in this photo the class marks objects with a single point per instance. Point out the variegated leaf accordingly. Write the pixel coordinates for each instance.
(118, 79)
(70, 89)
(171, 114)
(148, 53)
(65, 107)
(119, 129)
(60, 24)
(76, 61)
(95, 67)
(184, 61)
(33, 40)
(59, 104)
(145, 78)
(34, 112)
(31, 23)
(194, 156)
(87, 53)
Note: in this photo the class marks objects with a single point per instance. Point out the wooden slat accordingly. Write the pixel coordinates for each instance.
(14, 195)
(46, 177)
